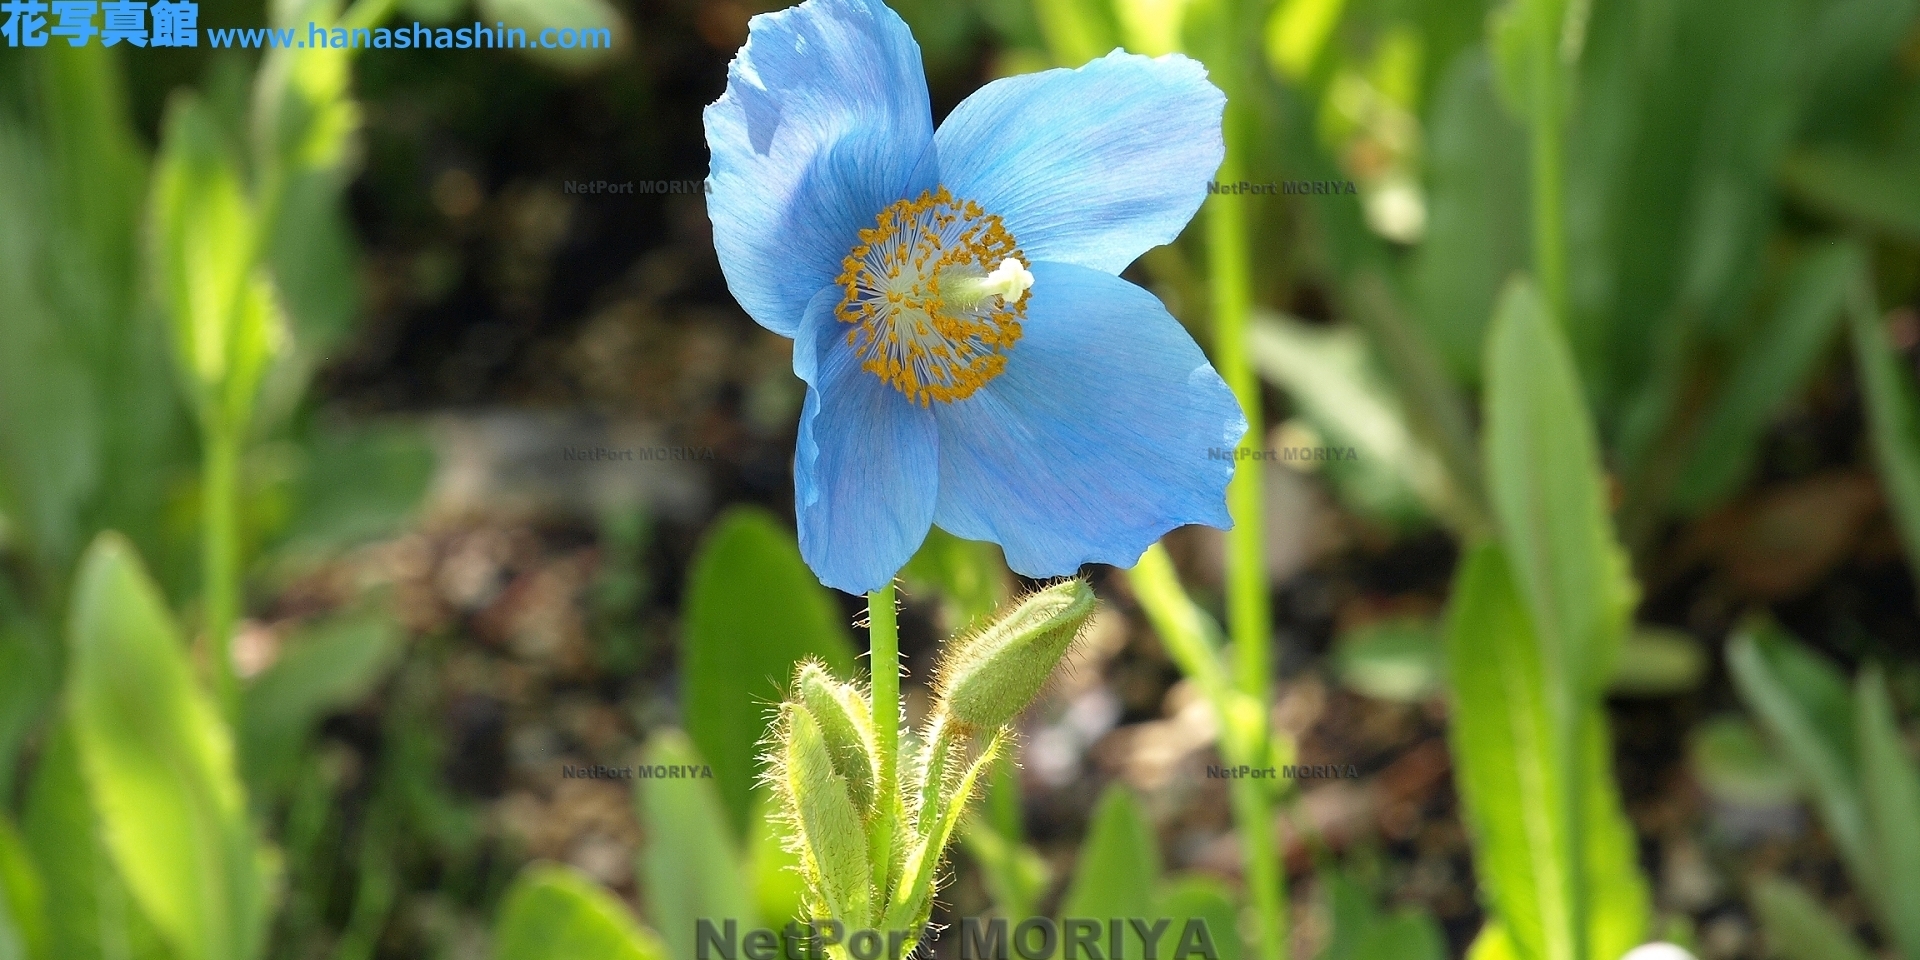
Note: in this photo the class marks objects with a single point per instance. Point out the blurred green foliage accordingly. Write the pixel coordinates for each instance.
(1715, 212)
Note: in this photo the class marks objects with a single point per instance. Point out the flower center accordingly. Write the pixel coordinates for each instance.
(935, 292)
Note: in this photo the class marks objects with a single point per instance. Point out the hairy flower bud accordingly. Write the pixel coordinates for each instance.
(826, 828)
(842, 715)
(991, 676)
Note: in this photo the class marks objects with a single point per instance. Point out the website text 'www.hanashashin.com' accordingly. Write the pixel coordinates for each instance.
(176, 23)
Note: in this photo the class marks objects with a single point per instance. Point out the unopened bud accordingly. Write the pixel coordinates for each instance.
(841, 714)
(831, 841)
(990, 677)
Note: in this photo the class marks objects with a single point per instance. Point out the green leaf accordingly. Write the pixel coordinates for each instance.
(1893, 417)
(90, 915)
(1478, 231)
(159, 765)
(23, 917)
(558, 913)
(357, 484)
(753, 612)
(1400, 660)
(1329, 375)
(1856, 187)
(49, 418)
(1775, 363)
(1203, 898)
(1735, 766)
(1515, 788)
(1405, 935)
(204, 247)
(689, 867)
(1119, 868)
(1657, 662)
(1802, 702)
(29, 678)
(325, 668)
(1544, 481)
(1798, 928)
(773, 871)
(1891, 787)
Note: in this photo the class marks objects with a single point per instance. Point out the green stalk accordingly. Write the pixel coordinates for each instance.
(1548, 169)
(220, 559)
(883, 662)
(1548, 162)
(1231, 290)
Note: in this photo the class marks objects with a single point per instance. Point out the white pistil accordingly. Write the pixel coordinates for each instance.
(1009, 281)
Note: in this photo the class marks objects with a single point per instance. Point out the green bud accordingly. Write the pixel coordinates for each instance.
(842, 716)
(991, 676)
(831, 842)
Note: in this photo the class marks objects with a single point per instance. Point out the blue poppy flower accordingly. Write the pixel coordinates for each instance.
(972, 357)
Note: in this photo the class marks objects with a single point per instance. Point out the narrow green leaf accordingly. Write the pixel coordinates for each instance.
(159, 765)
(1891, 787)
(325, 668)
(558, 913)
(1077, 31)
(1119, 868)
(1893, 416)
(1802, 701)
(1478, 233)
(1770, 370)
(753, 613)
(23, 916)
(689, 866)
(1874, 191)
(1514, 788)
(1330, 376)
(1544, 480)
(1798, 928)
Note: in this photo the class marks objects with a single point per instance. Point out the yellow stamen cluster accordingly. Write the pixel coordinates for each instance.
(923, 320)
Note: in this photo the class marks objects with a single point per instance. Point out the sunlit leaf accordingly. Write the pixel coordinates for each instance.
(558, 913)
(90, 914)
(753, 611)
(204, 245)
(1119, 867)
(1515, 790)
(689, 865)
(159, 766)
(1544, 481)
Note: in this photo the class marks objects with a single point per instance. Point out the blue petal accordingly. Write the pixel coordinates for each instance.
(1092, 166)
(865, 472)
(1107, 429)
(823, 122)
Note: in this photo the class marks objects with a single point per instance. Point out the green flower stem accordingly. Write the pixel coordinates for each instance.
(1228, 268)
(220, 559)
(1546, 112)
(883, 662)
(1548, 162)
